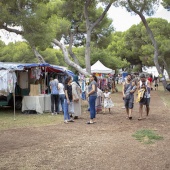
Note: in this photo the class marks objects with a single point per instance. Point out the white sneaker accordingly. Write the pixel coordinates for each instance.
(65, 121)
(52, 114)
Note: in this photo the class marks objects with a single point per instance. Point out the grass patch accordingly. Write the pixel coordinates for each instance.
(146, 136)
(26, 120)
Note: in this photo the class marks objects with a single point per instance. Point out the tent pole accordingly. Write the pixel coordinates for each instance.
(44, 87)
(14, 97)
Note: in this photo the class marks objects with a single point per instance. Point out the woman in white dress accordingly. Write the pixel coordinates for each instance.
(107, 100)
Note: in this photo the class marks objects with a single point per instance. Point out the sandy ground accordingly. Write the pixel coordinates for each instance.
(106, 145)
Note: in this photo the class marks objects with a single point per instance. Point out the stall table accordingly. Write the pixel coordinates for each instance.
(40, 104)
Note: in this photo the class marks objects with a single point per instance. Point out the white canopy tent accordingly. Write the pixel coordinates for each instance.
(98, 67)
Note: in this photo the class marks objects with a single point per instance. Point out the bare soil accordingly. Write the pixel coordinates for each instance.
(106, 145)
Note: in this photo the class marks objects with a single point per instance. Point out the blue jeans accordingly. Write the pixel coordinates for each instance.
(66, 114)
(61, 100)
(92, 102)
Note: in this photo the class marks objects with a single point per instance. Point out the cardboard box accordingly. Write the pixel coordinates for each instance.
(34, 89)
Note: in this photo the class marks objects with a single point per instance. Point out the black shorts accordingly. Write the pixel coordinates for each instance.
(145, 101)
(156, 85)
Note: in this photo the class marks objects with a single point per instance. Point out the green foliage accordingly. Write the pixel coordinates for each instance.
(138, 45)
(18, 52)
(146, 136)
(43, 20)
(117, 51)
(80, 53)
(38, 30)
(49, 55)
(53, 56)
(166, 4)
(21, 52)
(108, 58)
(147, 7)
(73, 12)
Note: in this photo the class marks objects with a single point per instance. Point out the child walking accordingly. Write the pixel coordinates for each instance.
(107, 100)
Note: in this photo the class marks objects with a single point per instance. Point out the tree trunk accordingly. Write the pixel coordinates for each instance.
(38, 55)
(89, 27)
(166, 66)
(87, 52)
(70, 49)
(156, 53)
(67, 59)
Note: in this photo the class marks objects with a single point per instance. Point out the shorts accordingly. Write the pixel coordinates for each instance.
(156, 85)
(128, 104)
(145, 101)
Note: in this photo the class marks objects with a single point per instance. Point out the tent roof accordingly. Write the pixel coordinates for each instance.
(23, 66)
(98, 67)
(20, 66)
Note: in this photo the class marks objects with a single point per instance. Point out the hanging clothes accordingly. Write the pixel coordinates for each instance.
(7, 82)
(23, 80)
(11, 81)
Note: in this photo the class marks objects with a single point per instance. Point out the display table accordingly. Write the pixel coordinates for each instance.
(40, 103)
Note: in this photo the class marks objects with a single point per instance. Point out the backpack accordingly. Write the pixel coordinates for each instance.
(168, 87)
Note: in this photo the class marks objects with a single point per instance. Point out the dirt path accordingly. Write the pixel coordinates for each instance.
(105, 145)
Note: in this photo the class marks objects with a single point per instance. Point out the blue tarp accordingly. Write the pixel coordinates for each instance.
(70, 73)
(22, 66)
(63, 69)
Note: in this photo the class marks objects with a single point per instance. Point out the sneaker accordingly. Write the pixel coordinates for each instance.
(56, 113)
(71, 120)
(52, 114)
(66, 121)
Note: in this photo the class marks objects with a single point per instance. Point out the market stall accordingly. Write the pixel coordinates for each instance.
(104, 75)
(31, 82)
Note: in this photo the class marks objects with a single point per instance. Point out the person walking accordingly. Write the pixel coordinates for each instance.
(128, 90)
(61, 97)
(145, 99)
(92, 94)
(68, 99)
(155, 82)
(54, 96)
(76, 91)
(150, 79)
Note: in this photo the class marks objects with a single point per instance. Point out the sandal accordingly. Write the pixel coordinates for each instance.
(141, 118)
(90, 123)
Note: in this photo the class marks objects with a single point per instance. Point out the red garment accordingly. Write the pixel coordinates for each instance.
(150, 79)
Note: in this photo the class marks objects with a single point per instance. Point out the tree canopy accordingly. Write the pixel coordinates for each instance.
(84, 33)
